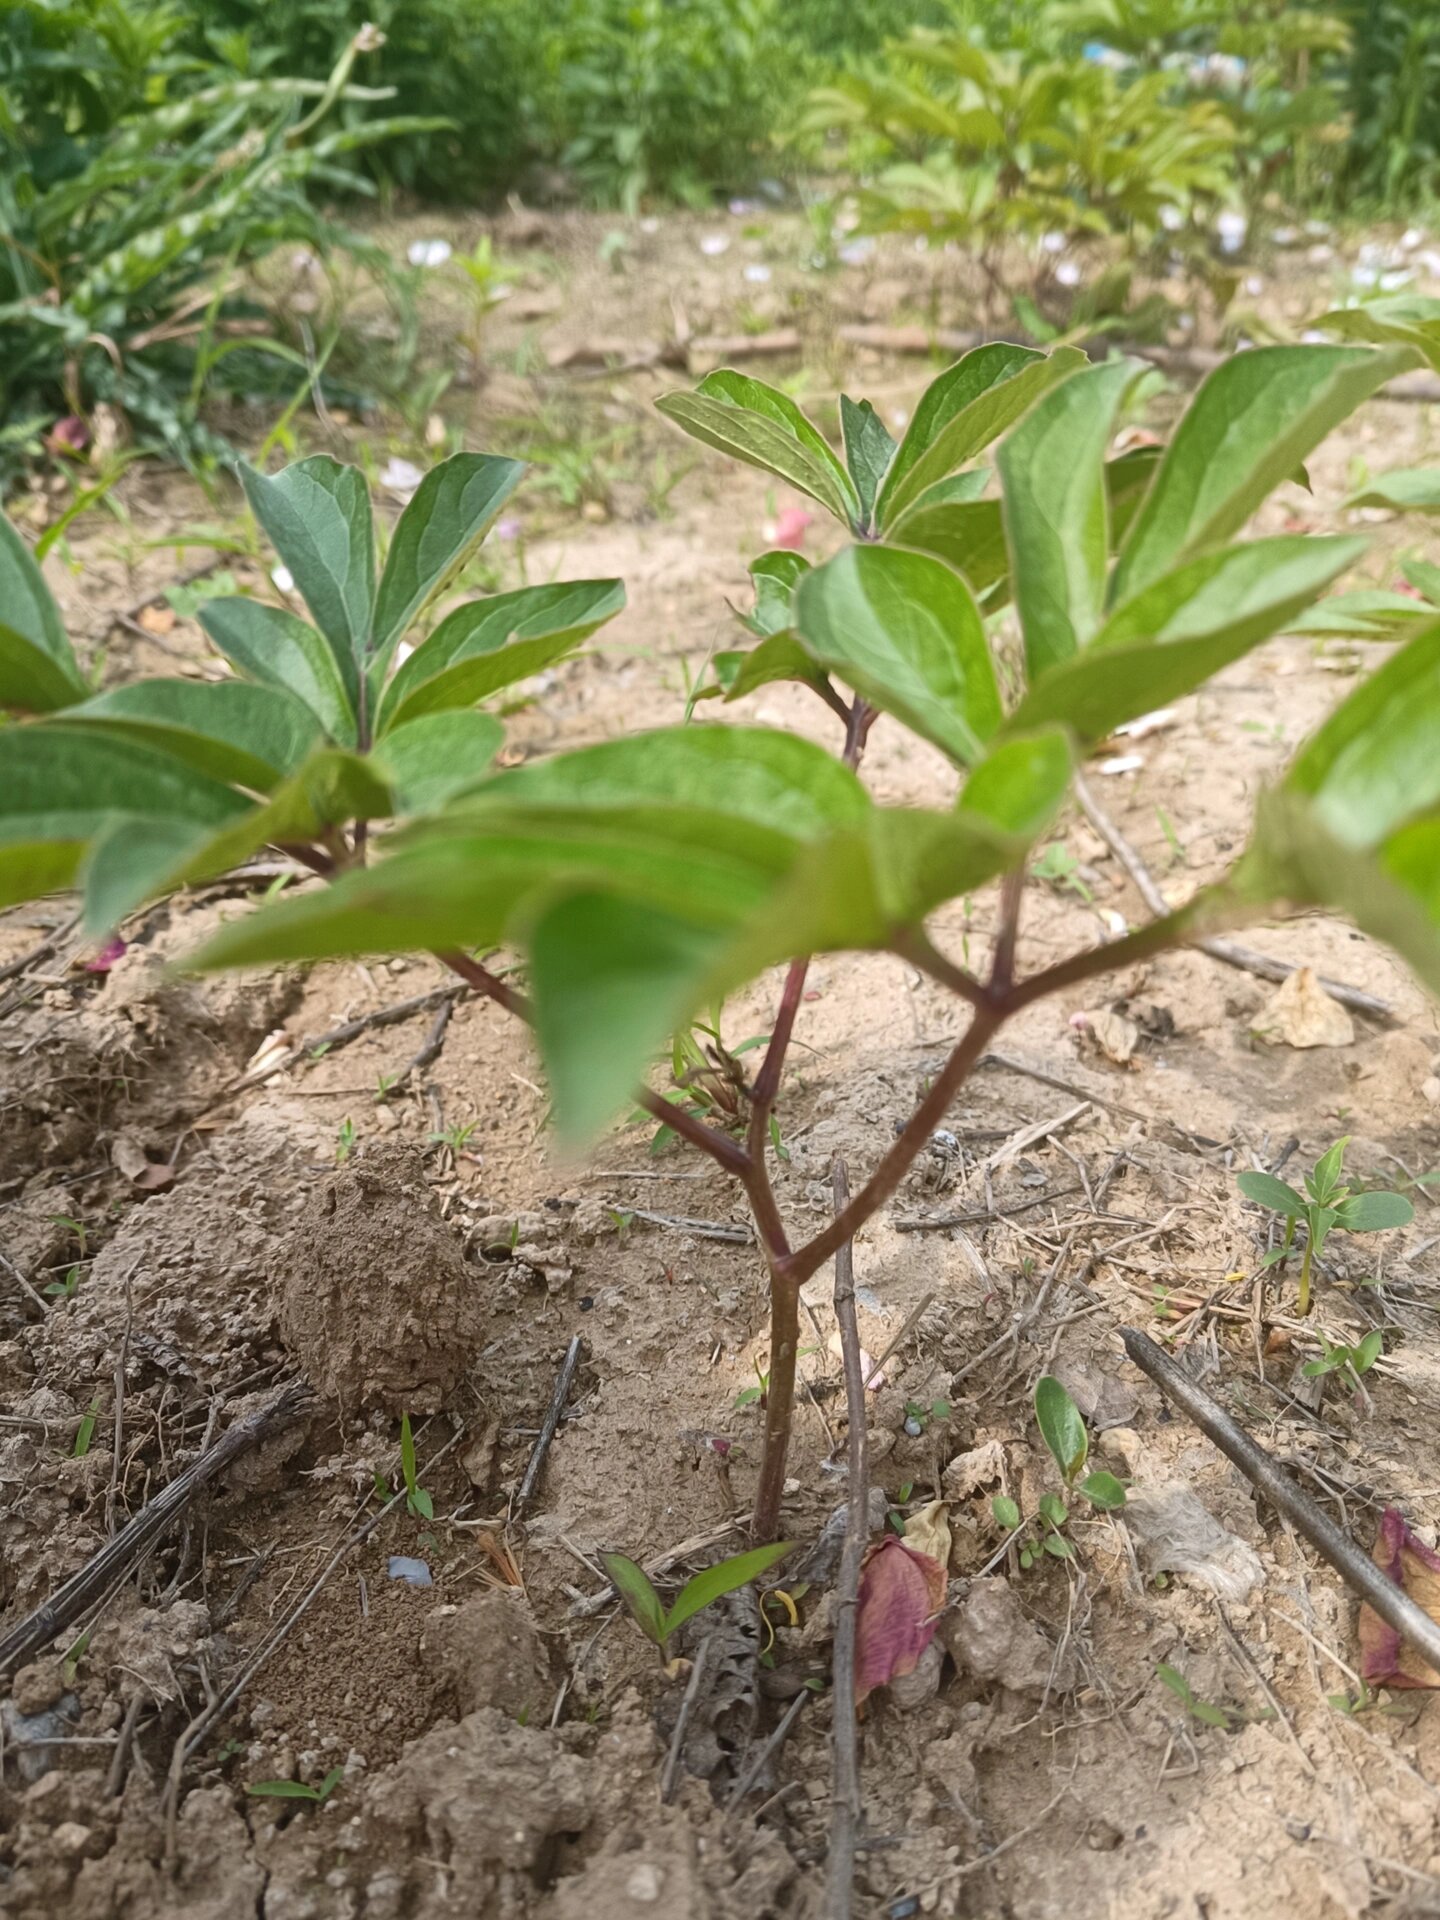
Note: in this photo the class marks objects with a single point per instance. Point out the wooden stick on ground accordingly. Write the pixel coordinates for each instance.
(109, 1566)
(846, 1805)
(550, 1424)
(1228, 951)
(1394, 1606)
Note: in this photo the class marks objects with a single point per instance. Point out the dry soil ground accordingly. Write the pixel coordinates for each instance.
(501, 1736)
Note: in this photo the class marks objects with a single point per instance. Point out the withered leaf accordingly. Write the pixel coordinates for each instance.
(1385, 1659)
(902, 1594)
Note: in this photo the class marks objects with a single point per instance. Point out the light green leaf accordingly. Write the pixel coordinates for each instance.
(1404, 489)
(755, 423)
(131, 861)
(1367, 613)
(1266, 1191)
(234, 731)
(37, 667)
(1021, 784)
(612, 980)
(868, 450)
(634, 1588)
(963, 411)
(30, 869)
(1376, 760)
(1255, 418)
(712, 1583)
(317, 516)
(1061, 1427)
(277, 648)
(489, 644)
(776, 780)
(902, 629)
(453, 509)
(1424, 576)
(1391, 891)
(428, 761)
(1103, 1490)
(1404, 319)
(1374, 1212)
(1052, 474)
(775, 576)
(75, 779)
(1183, 628)
(463, 881)
(331, 789)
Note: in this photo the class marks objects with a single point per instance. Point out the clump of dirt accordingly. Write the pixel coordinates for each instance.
(378, 1304)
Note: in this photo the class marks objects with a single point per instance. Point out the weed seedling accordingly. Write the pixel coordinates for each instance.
(1327, 1202)
(1228, 1719)
(297, 1789)
(646, 1609)
(1356, 1360)
(1060, 867)
(86, 1432)
(64, 1289)
(344, 1141)
(417, 1501)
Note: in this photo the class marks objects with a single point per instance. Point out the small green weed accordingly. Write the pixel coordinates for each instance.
(646, 1608)
(1326, 1203)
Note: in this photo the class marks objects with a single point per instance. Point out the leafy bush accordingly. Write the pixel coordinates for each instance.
(1392, 91)
(130, 206)
(1133, 118)
(469, 64)
(647, 877)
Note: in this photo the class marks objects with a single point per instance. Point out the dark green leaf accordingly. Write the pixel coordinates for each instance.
(1052, 475)
(1183, 628)
(1369, 1350)
(1058, 1546)
(232, 730)
(781, 657)
(1061, 1427)
(1374, 1212)
(130, 861)
(279, 649)
(37, 667)
(1326, 1177)
(963, 411)
(1266, 1191)
(714, 1582)
(756, 423)
(903, 630)
(317, 516)
(1006, 1512)
(868, 451)
(633, 1587)
(453, 509)
(490, 644)
(1255, 417)
(967, 535)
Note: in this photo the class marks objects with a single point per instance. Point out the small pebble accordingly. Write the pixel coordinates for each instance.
(414, 1572)
(913, 1427)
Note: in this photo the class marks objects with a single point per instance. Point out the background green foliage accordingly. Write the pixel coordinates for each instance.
(135, 186)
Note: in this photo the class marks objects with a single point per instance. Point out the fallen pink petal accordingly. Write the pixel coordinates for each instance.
(790, 527)
(902, 1594)
(1385, 1659)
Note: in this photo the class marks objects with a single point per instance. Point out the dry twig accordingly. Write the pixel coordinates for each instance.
(846, 1806)
(550, 1423)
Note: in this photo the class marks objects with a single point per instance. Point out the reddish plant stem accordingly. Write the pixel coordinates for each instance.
(779, 1402)
(918, 950)
(808, 1259)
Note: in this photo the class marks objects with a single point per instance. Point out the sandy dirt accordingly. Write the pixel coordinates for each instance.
(501, 1731)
